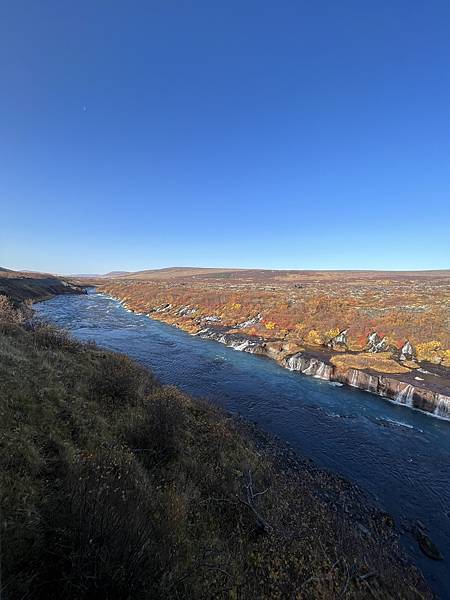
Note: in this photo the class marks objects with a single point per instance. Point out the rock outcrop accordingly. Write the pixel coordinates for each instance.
(340, 341)
(376, 344)
(407, 352)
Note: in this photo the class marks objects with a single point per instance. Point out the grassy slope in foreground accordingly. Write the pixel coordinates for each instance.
(114, 486)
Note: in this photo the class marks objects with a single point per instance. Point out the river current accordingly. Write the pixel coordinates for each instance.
(399, 456)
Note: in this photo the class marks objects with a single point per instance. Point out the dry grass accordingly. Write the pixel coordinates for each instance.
(114, 486)
(381, 362)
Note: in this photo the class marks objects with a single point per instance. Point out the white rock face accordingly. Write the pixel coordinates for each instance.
(339, 340)
(186, 311)
(407, 351)
(249, 322)
(376, 344)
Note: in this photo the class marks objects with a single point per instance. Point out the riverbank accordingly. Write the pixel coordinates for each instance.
(425, 389)
(214, 505)
(34, 287)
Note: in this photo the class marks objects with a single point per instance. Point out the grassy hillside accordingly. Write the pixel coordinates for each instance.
(33, 286)
(114, 486)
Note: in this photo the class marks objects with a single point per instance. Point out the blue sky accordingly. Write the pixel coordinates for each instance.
(284, 134)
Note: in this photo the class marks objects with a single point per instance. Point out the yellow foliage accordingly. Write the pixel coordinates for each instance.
(446, 358)
(332, 333)
(431, 351)
(313, 338)
(270, 325)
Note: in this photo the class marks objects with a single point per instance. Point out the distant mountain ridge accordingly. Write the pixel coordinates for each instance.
(168, 273)
(175, 272)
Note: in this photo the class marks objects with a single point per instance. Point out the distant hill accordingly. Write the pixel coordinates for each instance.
(116, 274)
(175, 272)
(281, 275)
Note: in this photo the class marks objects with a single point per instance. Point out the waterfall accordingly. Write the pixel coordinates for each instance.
(294, 362)
(354, 378)
(442, 409)
(405, 396)
(320, 373)
(309, 366)
(323, 372)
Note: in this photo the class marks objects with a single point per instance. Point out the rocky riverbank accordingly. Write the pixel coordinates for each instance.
(424, 387)
(343, 497)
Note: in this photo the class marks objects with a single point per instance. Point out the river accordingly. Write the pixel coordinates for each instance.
(399, 456)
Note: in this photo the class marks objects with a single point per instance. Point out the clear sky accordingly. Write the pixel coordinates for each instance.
(279, 134)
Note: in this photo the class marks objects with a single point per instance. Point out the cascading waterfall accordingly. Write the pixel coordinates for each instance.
(405, 396)
(293, 362)
(353, 381)
(323, 372)
(442, 409)
(309, 366)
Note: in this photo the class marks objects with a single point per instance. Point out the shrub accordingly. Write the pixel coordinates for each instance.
(431, 351)
(11, 314)
(314, 338)
(51, 337)
(155, 432)
(119, 381)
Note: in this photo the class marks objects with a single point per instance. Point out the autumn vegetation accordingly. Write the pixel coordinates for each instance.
(303, 308)
(115, 486)
(381, 362)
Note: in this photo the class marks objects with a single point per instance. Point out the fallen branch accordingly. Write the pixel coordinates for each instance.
(250, 503)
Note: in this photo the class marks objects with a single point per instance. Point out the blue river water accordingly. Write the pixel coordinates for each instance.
(399, 456)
